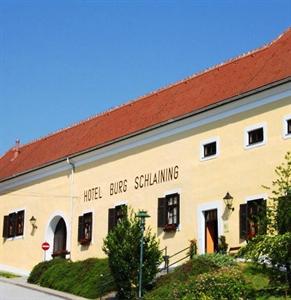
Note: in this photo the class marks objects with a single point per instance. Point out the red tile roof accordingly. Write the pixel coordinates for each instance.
(256, 69)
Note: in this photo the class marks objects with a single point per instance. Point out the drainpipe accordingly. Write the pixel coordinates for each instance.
(69, 162)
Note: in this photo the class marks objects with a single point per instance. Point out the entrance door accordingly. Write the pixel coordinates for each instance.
(211, 231)
(60, 238)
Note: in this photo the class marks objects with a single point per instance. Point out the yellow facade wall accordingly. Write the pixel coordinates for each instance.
(237, 170)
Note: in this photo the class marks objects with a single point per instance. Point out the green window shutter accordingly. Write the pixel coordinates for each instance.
(81, 228)
(243, 222)
(5, 227)
(111, 219)
(162, 212)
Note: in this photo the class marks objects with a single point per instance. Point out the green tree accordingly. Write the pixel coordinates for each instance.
(122, 245)
(276, 245)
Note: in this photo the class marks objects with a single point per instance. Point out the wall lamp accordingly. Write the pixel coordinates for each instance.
(32, 222)
(228, 201)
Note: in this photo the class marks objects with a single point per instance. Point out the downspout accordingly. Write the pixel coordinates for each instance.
(69, 162)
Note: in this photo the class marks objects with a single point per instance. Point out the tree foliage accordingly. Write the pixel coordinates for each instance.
(276, 246)
(122, 245)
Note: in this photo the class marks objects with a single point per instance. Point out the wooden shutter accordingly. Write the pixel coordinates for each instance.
(12, 225)
(243, 221)
(5, 227)
(81, 228)
(162, 212)
(178, 209)
(262, 210)
(111, 219)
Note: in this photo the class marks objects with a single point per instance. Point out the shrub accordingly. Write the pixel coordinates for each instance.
(38, 270)
(224, 283)
(122, 245)
(221, 260)
(227, 283)
(89, 278)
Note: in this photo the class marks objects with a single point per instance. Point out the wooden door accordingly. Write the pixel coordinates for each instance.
(60, 238)
(211, 231)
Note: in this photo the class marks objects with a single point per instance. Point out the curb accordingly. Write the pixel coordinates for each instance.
(62, 295)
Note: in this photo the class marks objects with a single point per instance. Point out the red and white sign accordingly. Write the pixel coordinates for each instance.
(45, 246)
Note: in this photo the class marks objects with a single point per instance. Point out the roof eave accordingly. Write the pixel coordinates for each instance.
(128, 136)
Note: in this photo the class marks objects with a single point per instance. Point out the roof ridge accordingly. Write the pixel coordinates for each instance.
(159, 90)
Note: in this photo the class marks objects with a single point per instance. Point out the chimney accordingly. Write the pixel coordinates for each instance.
(16, 149)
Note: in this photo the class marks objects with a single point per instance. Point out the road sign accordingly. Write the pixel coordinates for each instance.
(45, 246)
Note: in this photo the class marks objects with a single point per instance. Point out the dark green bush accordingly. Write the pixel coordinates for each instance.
(41, 268)
(89, 278)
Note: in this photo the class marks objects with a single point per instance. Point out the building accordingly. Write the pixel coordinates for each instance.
(175, 153)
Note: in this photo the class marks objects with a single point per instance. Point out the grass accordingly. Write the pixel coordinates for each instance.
(7, 275)
(267, 283)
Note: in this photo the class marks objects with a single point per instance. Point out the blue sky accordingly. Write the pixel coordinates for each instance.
(64, 61)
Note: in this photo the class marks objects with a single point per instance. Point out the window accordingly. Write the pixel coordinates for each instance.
(209, 148)
(255, 136)
(251, 218)
(85, 229)
(13, 224)
(115, 215)
(169, 212)
(287, 127)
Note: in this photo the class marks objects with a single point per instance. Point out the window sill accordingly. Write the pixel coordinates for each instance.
(85, 242)
(252, 146)
(204, 158)
(287, 136)
(61, 253)
(170, 228)
(18, 237)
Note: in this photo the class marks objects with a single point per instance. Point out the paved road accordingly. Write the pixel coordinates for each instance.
(13, 292)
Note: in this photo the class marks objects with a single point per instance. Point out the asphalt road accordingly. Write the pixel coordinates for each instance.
(12, 292)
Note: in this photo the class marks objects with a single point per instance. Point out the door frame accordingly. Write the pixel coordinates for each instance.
(201, 222)
(50, 232)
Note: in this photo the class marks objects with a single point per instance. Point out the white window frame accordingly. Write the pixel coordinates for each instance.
(208, 141)
(251, 128)
(285, 134)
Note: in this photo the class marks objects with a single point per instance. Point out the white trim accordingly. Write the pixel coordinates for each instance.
(173, 191)
(285, 134)
(253, 127)
(120, 202)
(50, 231)
(236, 107)
(208, 141)
(17, 271)
(255, 197)
(201, 222)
